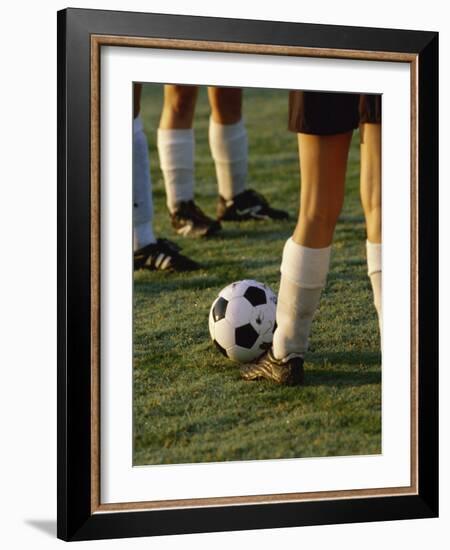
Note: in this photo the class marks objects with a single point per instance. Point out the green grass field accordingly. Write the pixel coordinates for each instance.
(189, 402)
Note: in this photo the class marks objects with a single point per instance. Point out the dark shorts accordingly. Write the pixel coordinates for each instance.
(328, 113)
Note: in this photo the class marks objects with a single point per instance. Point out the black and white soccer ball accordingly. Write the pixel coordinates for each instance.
(242, 320)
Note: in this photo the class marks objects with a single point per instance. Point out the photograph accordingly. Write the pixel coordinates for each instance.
(257, 274)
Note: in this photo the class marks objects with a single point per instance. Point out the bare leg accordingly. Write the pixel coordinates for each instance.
(179, 107)
(323, 163)
(371, 179)
(226, 104)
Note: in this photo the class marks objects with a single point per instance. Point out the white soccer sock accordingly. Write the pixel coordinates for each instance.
(142, 189)
(303, 275)
(176, 157)
(229, 149)
(374, 271)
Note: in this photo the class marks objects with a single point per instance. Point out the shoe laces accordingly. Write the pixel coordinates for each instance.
(167, 246)
(190, 210)
(252, 194)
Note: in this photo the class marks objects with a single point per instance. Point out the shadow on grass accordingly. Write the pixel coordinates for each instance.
(316, 378)
(345, 276)
(349, 378)
(229, 271)
(335, 358)
(257, 231)
(241, 268)
(328, 369)
(153, 283)
(316, 375)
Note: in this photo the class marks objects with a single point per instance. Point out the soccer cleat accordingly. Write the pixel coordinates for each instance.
(164, 255)
(287, 371)
(189, 220)
(248, 205)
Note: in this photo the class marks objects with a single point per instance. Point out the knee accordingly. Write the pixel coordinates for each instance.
(371, 203)
(373, 217)
(181, 100)
(322, 219)
(372, 208)
(315, 230)
(226, 105)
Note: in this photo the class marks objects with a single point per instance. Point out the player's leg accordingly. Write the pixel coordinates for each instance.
(149, 252)
(176, 143)
(229, 149)
(176, 147)
(370, 108)
(228, 140)
(306, 256)
(142, 184)
(323, 147)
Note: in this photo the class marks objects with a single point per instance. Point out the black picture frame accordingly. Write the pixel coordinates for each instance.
(76, 520)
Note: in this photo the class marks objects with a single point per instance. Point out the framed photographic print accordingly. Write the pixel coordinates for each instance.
(247, 252)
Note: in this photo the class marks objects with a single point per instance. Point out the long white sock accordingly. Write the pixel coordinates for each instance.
(303, 275)
(374, 268)
(142, 189)
(176, 157)
(229, 149)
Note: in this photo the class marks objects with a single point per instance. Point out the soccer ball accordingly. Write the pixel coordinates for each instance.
(242, 320)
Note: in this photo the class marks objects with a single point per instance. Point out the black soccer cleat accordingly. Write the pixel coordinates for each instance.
(287, 372)
(189, 220)
(248, 205)
(164, 255)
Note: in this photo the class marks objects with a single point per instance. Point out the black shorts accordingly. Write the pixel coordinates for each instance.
(328, 113)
